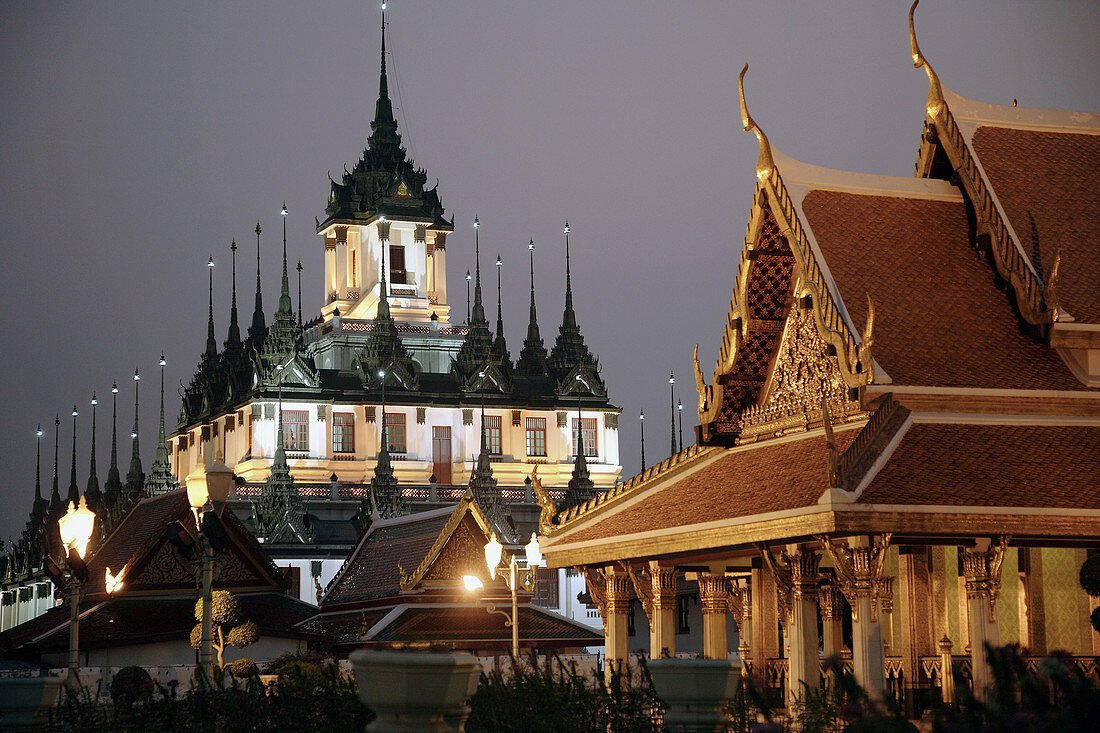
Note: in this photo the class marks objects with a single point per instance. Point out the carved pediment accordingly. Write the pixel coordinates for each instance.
(488, 378)
(463, 554)
(584, 381)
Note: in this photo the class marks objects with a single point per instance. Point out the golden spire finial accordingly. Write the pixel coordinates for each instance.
(764, 164)
(936, 103)
(830, 445)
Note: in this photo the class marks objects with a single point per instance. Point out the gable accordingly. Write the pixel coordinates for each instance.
(462, 554)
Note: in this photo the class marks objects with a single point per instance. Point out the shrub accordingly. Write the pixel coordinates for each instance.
(244, 667)
(131, 685)
(1090, 576)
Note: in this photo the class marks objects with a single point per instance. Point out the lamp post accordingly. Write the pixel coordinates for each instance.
(207, 496)
(672, 410)
(516, 578)
(641, 421)
(680, 409)
(469, 277)
(75, 528)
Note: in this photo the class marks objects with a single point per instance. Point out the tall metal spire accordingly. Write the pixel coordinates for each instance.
(569, 350)
(92, 492)
(113, 484)
(299, 292)
(570, 317)
(55, 495)
(478, 315)
(211, 341)
(38, 464)
(161, 479)
(135, 477)
(258, 330)
(285, 306)
(500, 346)
(74, 490)
(672, 410)
(532, 358)
(234, 338)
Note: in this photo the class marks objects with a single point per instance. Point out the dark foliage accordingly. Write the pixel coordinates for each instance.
(553, 696)
(1089, 576)
(132, 685)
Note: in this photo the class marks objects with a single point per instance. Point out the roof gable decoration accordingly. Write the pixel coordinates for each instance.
(293, 370)
(943, 135)
(452, 548)
(776, 236)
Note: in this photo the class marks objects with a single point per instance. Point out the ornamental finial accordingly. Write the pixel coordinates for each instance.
(764, 163)
(936, 103)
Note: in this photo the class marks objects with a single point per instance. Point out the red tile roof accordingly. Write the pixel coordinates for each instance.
(1048, 184)
(992, 465)
(344, 627)
(465, 623)
(939, 320)
(750, 480)
(372, 570)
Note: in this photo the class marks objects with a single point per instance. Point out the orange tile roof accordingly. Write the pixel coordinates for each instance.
(372, 570)
(763, 478)
(466, 623)
(992, 465)
(1048, 184)
(939, 320)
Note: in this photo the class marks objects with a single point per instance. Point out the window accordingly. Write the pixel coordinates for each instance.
(492, 434)
(295, 430)
(631, 628)
(441, 453)
(683, 615)
(353, 280)
(395, 432)
(588, 436)
(343, 432)
(546, 588)
(536, 436)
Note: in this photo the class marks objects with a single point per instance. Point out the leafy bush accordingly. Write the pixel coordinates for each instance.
(225, 629)
(244, 667)
(1089, 576)
(131, 685)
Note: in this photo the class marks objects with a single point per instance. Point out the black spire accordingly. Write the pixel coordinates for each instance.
(113, 487)
(234, 339)
(483, 486)
(569, 352)
(384, 138)
(74, 490)
(384, 351)
(211, 342)
(386, 496)
(92, 492)
(135, 477)
(258, 330)
(285, 333)
(477, 348)
(38, 465)
(161, 479)
(532, 359)
(500, 347)
(299, 292)
(55, 495)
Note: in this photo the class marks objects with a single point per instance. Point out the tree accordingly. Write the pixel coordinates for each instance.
(226, 628)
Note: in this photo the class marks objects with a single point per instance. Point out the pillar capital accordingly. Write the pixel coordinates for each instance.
(858, 565)
(828, 600)
(885, 594)
(421, 233)
(617, 588)
(739, 600)
(982, 570)
(713, 593)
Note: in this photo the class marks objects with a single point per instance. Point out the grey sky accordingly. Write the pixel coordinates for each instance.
(137, 138)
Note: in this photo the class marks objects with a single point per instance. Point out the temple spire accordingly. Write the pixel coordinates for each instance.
(161, 479)
(38, 464)
(299, 292)
(114, 481)
(211, 341)
(135, 477)
(258, 330)
(234, 338)
(74, 490)
(569, 352)
(92, 492)
(55, 495)
(500, 346)
(478, 315)
(384, 139)
(570, 317)
(532, 358)
(285, 305)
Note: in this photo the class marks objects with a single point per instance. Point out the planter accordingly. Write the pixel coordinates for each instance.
(25, 701)
(696, 692)
(415, 691)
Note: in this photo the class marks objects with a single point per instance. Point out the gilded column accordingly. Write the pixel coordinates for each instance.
(713, 593)
(765, 627)
(795, 574)
(982, 569)
(740, 605)
(1033, 624)
(617, 589)
(662, 622)
(832, 634)
(859, 568)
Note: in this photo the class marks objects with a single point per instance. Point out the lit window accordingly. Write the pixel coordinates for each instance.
(395, 432)
(295, 430)
(492, 434)
(536, 436)
(343, 432)
(588, 436)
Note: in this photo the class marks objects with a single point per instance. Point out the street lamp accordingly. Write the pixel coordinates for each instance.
(75, 528)
(641, 421)
(207, 496)
(680, 409)
(672, 410)
(516, 578)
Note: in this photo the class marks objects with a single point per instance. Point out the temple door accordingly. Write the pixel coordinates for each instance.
(441, 454)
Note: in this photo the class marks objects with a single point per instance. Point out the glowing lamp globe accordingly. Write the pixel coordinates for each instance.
(534, 555)
(493, 550)
(219, 481)
(472, 582)
(76, 527)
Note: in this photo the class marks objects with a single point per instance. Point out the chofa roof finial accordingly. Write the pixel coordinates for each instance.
(764, 164)
(936, 103)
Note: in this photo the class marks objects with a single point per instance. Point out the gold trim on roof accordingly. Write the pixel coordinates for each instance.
(936, 104)
(764, 163)
(408, 582)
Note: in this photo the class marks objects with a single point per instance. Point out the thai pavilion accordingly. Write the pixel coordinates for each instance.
(899, 448)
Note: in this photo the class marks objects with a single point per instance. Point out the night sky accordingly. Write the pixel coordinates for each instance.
(138, 138)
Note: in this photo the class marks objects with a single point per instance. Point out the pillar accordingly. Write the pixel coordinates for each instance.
(804, 670)
(832, 633)
(886, 614)
(1033, 632)
(662, 621)
(947, 671)
(740, 603)
(982, 570)
(617, 606)
(765, 628)
(712, 597)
